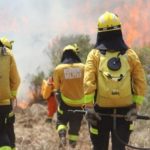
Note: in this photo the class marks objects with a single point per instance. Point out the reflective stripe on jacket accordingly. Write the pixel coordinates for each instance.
(5, 148)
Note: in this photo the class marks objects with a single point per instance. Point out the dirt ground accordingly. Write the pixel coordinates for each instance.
(33, 133)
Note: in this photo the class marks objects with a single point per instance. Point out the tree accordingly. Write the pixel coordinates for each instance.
(34, 89)
(55, 48)
(144, 57)
(54, 52)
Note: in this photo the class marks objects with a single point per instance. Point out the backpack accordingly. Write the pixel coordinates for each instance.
(114, 77)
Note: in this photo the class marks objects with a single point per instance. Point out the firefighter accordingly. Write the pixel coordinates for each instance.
(68, 81)
(110, 94)
(9, 83)
(52, 103)
(47, 92)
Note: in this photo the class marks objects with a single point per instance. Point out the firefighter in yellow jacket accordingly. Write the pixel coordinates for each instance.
(68, 80)
(9, 82)
(112, 85)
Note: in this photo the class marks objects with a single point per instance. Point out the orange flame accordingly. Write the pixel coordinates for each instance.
(135, 22)
(26, 102)
(23, 104)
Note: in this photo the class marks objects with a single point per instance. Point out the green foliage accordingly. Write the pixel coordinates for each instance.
(35, 81)
(143, 54)
(54, 52)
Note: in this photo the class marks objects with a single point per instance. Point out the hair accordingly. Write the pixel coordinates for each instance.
(69, 56)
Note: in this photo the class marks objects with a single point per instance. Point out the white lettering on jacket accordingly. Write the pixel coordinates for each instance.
(72, 73)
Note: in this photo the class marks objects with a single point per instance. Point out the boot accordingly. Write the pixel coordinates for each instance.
(48, 120)
(62, 136)
(72, 144)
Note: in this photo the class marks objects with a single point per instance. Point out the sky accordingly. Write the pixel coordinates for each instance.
(33, 24)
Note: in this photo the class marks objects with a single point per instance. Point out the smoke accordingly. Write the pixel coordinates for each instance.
(32, 24)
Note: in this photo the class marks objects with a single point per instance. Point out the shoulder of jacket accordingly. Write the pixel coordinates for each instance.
(83, 65)
(80, 64)
(7, 52)
(57, 67)
(131, 54)
(60, 66)
(94, 53)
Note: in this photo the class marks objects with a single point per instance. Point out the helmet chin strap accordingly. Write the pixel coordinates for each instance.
(119, 139)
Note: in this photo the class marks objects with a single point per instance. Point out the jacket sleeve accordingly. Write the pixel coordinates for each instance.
(14, 76)
(90, 77)
(139, 83)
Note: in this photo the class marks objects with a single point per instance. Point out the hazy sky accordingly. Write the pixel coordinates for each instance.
(32, 24)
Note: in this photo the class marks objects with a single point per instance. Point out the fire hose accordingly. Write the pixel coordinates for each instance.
(115, 116)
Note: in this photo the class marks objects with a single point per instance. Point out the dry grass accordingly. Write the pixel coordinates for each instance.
(32, 133)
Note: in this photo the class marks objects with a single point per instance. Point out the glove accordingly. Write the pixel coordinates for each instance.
(58, 96)
(14, 103)
(92, 117)
(131, 115)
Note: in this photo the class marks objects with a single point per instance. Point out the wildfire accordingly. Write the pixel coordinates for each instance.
(22, 104)
(135, 19)
(25, 103)
(134, 15)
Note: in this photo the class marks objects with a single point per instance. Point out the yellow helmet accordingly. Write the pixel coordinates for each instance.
(6, 42)
(108, 22)
(73, 47)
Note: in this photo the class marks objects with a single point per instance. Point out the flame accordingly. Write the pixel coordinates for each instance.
(135, 22)
(134, 15)
(26, 102)
(22, 104)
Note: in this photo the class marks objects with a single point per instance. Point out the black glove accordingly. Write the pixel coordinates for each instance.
(131, 115)
(92, 117)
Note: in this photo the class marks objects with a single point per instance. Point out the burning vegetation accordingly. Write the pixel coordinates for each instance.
(33, 133)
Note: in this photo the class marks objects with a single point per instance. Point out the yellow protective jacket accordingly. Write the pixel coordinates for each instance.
(139, 85)
(68, 78)
(9, 77)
